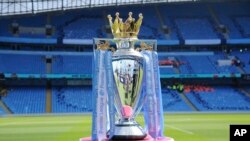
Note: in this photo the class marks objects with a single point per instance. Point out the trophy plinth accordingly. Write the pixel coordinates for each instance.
(147, 138)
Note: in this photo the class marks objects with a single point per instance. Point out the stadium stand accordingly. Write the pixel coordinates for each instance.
(191, 23)
(190, 27)
(24, 26)
(173, 102)
(185, 69)
(206, 64)
(5, 30)
(248, 89)
(92, 28)
(2, 112)
(223, 98)
(243, 25)
(82, 64)
(22, 63)
(71, 99)
(227, 15)
(151, 29)
(223, 68)
(244, 57)
(193, 28)
(202, 65)
(24, 100)
(167, 70)
(66, 64)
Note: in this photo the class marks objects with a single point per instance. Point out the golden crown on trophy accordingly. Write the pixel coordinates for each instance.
(128, 29)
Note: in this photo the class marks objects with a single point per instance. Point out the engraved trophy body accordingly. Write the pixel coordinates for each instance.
(128, 70)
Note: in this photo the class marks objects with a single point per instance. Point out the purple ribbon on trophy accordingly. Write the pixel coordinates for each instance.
(153, 113)
(100, 94)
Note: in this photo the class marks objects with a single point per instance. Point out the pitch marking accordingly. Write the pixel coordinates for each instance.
(179, 129)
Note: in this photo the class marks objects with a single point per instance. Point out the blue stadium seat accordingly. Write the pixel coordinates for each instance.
(201, 65)
(24, 100)
(22, 63)
(71, 99)
(244, 57)
(223, 98)
(166, 70)
(227, 17)
(193, 28)
(84, 28)
(190, 23)
(205, 64)
(72, 64)
(173, 102)
(30, 21)
(244, 25)
(2, 112)
(222, 69)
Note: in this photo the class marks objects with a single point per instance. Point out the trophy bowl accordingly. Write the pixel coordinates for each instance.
(128, 72)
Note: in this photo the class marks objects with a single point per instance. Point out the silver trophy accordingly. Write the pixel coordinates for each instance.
(128, 74)
(128, 71)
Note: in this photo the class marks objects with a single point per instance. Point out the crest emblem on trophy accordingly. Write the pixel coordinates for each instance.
(125, 80)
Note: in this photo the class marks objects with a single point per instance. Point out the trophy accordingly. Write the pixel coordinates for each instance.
(125, 77)
(128, 74)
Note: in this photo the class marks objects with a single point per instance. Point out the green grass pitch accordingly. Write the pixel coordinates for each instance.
(182, 127)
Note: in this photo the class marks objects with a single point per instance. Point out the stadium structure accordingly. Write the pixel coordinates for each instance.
(46, 52)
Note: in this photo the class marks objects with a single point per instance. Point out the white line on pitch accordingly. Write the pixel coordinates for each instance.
(179, 129)
(39, 122)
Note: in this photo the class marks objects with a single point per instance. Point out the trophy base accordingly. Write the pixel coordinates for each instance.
(128, 130)
(147, 138)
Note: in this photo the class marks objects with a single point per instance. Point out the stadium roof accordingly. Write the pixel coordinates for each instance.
(14, 7)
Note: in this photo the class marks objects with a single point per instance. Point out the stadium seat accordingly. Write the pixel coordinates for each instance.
(244, 58)
(2, 112)
(223, 98)
(72, 64)
(173, 102)
(229, 18)
(71, 99)
(22, 63)
(25, 100)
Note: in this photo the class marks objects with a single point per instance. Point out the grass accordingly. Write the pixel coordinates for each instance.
(182, 127)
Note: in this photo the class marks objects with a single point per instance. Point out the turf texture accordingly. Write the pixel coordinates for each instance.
(182, 127)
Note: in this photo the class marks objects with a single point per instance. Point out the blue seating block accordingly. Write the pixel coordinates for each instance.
(22, 63)
(71, 99)
(2, 112)
(67, 64)
(25, 100)
(223, 98)
(173, 102)
(244, 58)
